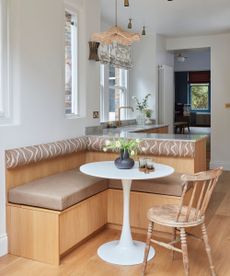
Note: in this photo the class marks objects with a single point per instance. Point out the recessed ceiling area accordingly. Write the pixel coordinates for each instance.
(171, 18)
(200, 57)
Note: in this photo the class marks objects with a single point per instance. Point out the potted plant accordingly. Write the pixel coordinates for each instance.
(141, 106)
(126, 147)
(148, 114)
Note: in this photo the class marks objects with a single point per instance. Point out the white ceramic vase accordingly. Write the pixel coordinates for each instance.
(148, 121)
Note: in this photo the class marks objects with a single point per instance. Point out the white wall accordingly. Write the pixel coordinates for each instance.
(143, 73)
(37, 78)
(196, 61)
(163, 57)
(220, 81)
(147, 55)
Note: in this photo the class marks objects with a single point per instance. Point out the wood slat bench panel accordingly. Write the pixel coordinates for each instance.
(139, 204)
(33, 233)
(82, 220)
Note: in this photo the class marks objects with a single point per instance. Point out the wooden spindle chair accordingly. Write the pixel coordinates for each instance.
(186, 214)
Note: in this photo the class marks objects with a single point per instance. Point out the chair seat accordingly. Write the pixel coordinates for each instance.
(167, 214)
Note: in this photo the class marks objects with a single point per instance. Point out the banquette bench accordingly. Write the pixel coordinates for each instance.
(52, 206)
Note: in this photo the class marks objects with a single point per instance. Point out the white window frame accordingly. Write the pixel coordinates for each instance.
(5, 107)
(104, 93)
(75, 62)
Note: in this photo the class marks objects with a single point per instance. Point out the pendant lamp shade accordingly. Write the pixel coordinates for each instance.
(116, 34)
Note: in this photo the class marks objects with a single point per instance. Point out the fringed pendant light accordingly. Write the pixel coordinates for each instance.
(116, 34)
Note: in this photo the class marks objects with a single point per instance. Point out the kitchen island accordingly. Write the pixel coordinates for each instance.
(185, 152)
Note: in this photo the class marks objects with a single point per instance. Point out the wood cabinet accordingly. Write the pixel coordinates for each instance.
(155, 130)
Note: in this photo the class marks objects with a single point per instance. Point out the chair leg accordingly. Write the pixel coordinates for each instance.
(208, 249)
(173, 239)
(149, 235)
(184, 248)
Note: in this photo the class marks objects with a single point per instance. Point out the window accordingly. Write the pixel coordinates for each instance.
(200, 96)
(4, 91)
(71, 68)
(114, 92)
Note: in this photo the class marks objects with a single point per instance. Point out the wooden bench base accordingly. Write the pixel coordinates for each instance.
(46, 235)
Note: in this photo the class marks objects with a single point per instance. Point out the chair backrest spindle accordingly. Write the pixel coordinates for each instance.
(191, 201)
(203, 184)
(199, 202)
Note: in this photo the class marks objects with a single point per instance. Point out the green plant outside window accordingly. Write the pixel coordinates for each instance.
(200, 97)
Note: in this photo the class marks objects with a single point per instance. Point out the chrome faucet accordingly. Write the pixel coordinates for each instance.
(119, 113)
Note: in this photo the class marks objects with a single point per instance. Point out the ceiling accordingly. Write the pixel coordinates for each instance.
(175, 18)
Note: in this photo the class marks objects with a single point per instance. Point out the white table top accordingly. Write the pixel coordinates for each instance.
(107, 169)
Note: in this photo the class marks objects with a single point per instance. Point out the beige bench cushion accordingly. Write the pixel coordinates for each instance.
(59, 191)
(170, 185)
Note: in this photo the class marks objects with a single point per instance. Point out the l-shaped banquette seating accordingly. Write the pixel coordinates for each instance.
(52, 207)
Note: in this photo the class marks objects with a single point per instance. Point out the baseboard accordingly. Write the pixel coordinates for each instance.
(3, 244)
(216, 164)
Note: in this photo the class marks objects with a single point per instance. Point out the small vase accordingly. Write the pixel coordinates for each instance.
(148, 121)
(140, 118)
(124, 161)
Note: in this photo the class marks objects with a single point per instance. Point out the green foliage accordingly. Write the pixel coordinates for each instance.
(131, 145)
(142, 105)
(148, 113)
(200, 97)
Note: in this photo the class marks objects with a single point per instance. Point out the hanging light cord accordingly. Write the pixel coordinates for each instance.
(116, 13)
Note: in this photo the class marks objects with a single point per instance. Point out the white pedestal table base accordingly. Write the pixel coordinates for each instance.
(114, 253)
(125, 251)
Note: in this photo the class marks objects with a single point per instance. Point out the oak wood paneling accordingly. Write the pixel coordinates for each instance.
(181, 165)
(82, 220)
(33, 234)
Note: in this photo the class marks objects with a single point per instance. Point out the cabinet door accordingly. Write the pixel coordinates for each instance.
(154, 130)
(158, 130)
(163, 130)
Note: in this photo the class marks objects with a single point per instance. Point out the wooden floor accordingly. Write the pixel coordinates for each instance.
(85, 262)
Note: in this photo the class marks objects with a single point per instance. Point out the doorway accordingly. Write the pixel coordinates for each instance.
(192, 68)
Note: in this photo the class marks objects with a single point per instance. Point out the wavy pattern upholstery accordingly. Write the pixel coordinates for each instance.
(152, 146)
(23, 156)
(169, 148)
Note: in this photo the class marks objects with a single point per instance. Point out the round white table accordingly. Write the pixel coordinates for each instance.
(125, 251)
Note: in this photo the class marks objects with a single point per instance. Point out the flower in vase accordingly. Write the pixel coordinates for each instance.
(122, 144)
(143, 104)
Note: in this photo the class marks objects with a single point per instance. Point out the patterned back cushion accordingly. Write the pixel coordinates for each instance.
(22, 156)
(175, 148)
